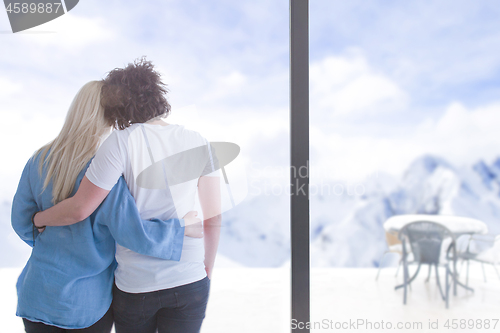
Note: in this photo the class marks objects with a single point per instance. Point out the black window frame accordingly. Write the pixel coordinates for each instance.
(299, 159)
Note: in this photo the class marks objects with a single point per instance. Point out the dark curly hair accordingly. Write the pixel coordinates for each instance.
(134, 94)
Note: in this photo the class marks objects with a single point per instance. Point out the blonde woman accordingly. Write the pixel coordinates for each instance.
(67, 282)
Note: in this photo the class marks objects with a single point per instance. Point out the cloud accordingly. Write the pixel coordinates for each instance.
(8, 87)
(459, 134)
(343, 85)
(21, 136)
(226, 86)
(437, 50)
(231, 60)
(352, 158)
(463, 134)
(70, 33)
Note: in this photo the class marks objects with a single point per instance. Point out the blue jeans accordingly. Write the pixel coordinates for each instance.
(102, 326)
(174, 310)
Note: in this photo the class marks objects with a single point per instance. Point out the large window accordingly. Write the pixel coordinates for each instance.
(401, 114)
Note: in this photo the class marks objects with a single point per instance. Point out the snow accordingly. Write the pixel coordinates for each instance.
(258, 299)
(250, 287)
(8, 301)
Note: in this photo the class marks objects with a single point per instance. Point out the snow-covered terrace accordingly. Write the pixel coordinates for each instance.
(257, 300)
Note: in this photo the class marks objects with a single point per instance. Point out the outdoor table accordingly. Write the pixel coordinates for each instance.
(458, 225)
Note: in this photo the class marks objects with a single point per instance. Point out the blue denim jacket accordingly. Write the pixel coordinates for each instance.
(67, 281)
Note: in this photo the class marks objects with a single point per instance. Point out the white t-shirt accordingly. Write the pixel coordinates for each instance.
(161, 165)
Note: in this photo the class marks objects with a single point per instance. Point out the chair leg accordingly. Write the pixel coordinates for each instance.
(439, 283)
(380, 265)
(429, 274)
(447, 286)
(455, 277)
(496, 270)
(405, 272)
(467, 275)
(399, 265)
(484, 273)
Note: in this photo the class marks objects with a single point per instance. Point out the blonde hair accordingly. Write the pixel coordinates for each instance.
(77, 142)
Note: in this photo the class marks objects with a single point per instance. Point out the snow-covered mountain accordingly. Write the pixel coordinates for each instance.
(346, 228)
(430, 185)
(346, 222)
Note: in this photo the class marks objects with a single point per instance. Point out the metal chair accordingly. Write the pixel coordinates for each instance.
(490, 255)
(426, 240)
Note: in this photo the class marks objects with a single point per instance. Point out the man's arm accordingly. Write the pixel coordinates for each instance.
(74, 209)
(210, 201)
(86, 200)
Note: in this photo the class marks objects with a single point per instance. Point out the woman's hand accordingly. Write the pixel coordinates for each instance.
(193, 227)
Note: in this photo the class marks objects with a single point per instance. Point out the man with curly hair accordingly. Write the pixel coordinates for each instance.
(164, 166)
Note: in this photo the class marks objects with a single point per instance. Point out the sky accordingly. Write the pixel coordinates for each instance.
(389, 80)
